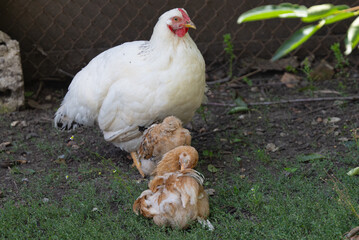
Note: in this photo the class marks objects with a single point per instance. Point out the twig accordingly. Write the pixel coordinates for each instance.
(65, 73)
(209, 133)
(300, 100)
(245, 76)
(39, 89)
(219, 104)
(222, 80)
(226, 79)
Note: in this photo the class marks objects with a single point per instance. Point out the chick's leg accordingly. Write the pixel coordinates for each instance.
(137, 163)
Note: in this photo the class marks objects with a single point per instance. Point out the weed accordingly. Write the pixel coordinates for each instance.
(261, 155)
(255, 198)
(355, 135)
(341, 61)
(343, 194)
(204, 113)
(207, 153)
(228, 48)
(291, 69)
(248, 81)
(307, 70)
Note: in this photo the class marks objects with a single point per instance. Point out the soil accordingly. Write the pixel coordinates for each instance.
(275, 132)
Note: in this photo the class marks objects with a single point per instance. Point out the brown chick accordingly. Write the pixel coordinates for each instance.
(175, 198)
(158, 140)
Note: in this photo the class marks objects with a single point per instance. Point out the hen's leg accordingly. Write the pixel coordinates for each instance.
(137, 163)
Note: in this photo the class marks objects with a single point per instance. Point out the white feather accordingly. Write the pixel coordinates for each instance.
(136, 84)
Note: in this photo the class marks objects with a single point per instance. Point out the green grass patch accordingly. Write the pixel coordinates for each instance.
(87, 205)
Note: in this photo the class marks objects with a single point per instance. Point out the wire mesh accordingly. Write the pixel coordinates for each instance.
(58, 38)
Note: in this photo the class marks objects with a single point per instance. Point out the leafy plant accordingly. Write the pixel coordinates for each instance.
(261, 155)
(307, 70)
(228, 48)
(248, 81)
(255, 198)
(204, 113)
(323, 14)
(241, 106)
(291, 69)
(341, 60)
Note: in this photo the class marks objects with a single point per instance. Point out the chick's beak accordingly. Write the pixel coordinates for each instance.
(182, 167)
(190, 24)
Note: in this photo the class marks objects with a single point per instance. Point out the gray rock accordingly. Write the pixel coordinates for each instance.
(11, 77)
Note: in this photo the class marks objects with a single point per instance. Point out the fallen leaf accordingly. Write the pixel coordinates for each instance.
(36, 105)
(212, 168)
(331, 120)
(241, 106)
(353, 172)
(327, 91)
(290, 80)
(74, 146)
(266, 65)
(356, 133)
(23, 123)
(272, 147)
(25, 180)
(4, 145)
(48, 98)
(323, 71)
(8, 163)
(352, 234)
(310, 157)
(14, 123)
(61, 159)
(291, 170)
(31, 135)
(210, 191)
(343, 139)
(22, 161)
(28, 171)
(236, 140)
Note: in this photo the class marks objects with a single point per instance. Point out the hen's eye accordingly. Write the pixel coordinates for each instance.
(175, 19)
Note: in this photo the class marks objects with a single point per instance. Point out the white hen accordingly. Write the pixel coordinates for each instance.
(138, 83)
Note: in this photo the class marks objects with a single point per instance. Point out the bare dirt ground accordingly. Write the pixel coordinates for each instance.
(272, 132)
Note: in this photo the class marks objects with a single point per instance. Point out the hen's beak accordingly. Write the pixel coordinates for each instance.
(190, 24)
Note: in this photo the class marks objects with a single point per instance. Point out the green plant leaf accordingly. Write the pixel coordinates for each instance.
(338, 17)
(212, 168)
(318, 12)
(291, 170)
(283, 10)
(353, 172)
(241, 106)
(298, 38)
(310, 157)
(28, 171)
(352, 38)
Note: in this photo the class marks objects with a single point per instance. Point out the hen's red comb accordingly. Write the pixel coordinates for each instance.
(184, 14)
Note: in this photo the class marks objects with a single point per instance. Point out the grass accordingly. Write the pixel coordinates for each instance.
(90, 205)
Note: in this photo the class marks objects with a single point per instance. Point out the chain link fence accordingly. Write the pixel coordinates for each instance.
(59, 37)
